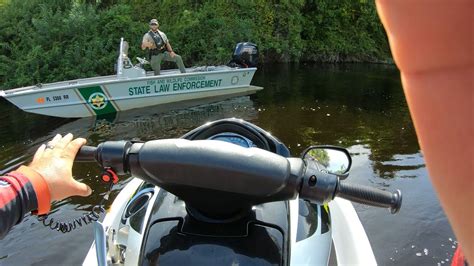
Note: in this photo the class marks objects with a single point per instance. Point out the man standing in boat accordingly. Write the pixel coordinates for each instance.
(160, 48)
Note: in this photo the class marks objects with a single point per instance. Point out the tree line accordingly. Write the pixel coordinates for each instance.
(45, 41)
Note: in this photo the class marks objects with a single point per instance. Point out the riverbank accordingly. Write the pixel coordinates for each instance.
(42, 42)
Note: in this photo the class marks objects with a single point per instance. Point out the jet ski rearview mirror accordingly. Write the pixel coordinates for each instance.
(329, 159)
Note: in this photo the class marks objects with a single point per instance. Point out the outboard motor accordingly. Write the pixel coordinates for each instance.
(245, 55)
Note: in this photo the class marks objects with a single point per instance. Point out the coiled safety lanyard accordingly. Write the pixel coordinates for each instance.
(109, 177)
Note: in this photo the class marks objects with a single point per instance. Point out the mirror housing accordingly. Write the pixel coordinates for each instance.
(329, 159)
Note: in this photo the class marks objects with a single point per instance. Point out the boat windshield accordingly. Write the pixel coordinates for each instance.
(125, 49)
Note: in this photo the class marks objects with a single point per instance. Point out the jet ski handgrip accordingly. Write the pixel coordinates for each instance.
(109, 154)
(370, 196)
(86, 154)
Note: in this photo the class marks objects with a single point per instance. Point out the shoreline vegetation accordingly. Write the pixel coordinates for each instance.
(47, 41)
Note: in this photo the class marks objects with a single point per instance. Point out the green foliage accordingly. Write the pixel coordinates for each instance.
(344, 30)
(59, 40)
(319, 155)
(44, 41)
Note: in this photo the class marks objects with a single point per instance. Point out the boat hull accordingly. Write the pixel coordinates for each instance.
(82, 98)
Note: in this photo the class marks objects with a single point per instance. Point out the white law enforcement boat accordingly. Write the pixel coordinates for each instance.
(132, 87)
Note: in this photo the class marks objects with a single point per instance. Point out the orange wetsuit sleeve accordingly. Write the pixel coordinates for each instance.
(21, 191)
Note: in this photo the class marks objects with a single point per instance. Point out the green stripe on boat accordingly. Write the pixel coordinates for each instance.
(97, 100)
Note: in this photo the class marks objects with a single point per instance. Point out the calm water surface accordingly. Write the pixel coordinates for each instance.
(360, 107)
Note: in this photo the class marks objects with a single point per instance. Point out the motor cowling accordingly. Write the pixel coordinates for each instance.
(245, 55)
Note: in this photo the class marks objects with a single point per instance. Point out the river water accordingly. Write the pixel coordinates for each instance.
(360, 107)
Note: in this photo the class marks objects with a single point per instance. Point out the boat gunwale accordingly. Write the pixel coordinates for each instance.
(35, 107)
(35, 88)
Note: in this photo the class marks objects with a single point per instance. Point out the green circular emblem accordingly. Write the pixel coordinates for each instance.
(98, 101)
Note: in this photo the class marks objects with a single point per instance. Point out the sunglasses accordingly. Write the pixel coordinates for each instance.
(153, 24)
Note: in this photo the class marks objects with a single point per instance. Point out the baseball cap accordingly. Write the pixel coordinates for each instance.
(154, 21)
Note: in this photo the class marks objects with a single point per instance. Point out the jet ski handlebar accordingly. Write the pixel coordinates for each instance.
(86, 154)
(210, 174)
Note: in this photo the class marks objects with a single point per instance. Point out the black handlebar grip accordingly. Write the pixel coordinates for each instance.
(370, 196)
(86, 154)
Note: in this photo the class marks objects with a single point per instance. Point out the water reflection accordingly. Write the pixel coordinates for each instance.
(158, 123)
(338, 105)
(360, 107)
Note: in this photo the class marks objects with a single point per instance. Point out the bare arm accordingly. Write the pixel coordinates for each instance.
(431, 43)
(170, 50)
(168, 47)
(146, 43)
